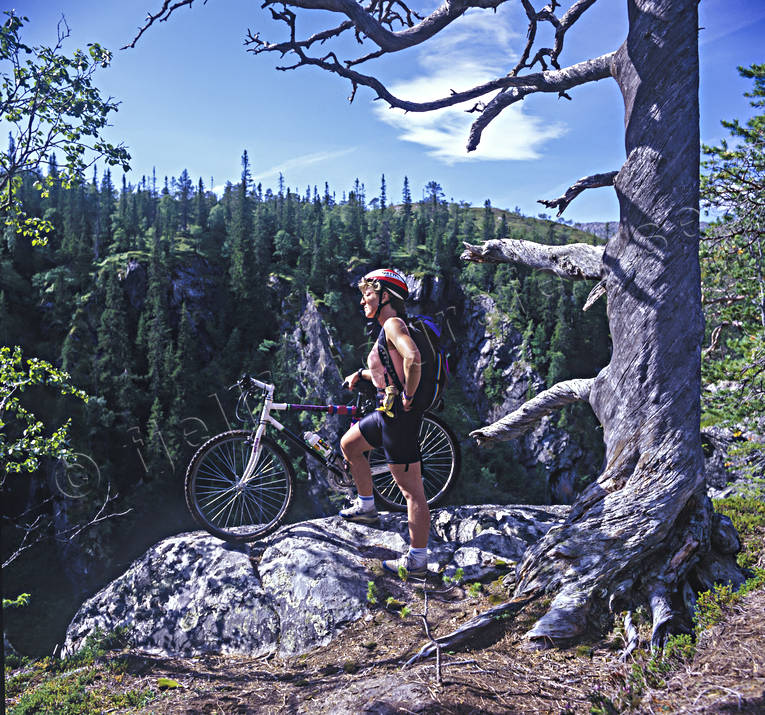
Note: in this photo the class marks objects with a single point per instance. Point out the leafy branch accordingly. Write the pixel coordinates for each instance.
(51, 104)
(22, 452)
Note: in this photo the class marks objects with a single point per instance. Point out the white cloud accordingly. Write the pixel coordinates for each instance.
(297, 162)
(473, 50)
(300, 162)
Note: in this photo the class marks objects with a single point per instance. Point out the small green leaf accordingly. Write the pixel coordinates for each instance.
(167, 683)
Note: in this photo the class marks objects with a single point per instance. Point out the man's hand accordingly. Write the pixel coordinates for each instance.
(407, 402)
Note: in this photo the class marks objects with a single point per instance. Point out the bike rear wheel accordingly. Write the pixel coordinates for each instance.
(223, 505)
(440, 465)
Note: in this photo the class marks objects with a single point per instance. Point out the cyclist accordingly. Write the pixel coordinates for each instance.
(395, 426)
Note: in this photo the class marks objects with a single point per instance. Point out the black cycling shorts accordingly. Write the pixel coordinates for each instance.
(398, 436)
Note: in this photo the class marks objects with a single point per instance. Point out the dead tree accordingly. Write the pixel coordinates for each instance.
(645, 532)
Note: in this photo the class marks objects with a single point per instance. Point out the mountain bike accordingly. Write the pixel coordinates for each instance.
(240, 484)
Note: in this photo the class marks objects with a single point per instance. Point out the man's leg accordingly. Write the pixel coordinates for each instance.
(410, 482)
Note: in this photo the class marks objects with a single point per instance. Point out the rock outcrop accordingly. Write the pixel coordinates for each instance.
(319, 377)
(731, 458)
(491, 345)
(293, 591)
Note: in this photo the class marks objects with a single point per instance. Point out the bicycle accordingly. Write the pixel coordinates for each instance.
(240, 484)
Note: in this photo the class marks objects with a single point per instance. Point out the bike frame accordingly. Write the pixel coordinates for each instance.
(266, 418)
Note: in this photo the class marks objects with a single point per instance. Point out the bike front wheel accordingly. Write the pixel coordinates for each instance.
(440, 465)
(228, 507)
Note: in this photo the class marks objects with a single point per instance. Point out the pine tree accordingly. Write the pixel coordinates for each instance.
(240, 237)
(107, 201)
(113, 354)
(184, 191)
(503, 231)
(76, 241)
(157, 327)
(561, 344)
(406, 216)
(201, 213)
(487, 224)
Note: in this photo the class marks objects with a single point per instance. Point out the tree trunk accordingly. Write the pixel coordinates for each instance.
(645, 527)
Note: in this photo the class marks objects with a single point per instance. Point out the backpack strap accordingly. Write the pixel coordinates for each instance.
(385, 359)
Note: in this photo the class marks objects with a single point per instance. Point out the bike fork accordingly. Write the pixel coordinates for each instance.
(265, 418)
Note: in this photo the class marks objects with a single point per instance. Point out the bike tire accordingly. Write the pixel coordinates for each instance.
(441, 460)
(251, 511)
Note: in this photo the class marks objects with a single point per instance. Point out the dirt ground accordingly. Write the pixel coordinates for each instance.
(362, 670)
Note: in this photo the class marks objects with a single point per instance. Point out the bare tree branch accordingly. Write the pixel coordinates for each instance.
(167, 9)
(714, 339)
(595, 294)
(469, 630)
(561, 26)
(555, 81)
(588, 182)
(374, 22)
(37, 531)
(574, 260)
(254, 40)
(521, 420)
(385, 39)
(631, 637)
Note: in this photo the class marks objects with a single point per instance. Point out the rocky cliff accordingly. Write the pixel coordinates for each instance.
(295, 590)
(488, 341)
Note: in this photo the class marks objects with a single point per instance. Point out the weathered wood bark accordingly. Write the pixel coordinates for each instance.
(638, 533)
(529, 413)
(573, 260)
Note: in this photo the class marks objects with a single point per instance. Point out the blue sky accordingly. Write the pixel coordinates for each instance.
(192, 97)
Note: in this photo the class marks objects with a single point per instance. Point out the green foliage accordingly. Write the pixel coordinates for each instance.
(712, 606)
(20, 601)
(474, 589)
(494, 385)
(733, 181)
(459, 575)
(747, 512)
(679, 649)
(51, 104)
(371, 593)
(75, 694)
(70, 685)
(23, 442)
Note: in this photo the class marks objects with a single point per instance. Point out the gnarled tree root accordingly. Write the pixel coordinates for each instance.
(470, 630)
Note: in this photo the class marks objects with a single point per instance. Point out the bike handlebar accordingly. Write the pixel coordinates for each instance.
(247, 382)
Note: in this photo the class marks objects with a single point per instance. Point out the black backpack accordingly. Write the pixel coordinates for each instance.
(434, 368)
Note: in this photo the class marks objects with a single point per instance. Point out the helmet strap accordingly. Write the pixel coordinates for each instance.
(380, 306)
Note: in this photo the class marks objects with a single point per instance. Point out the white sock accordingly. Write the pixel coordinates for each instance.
(367, 503)
(419, 556)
